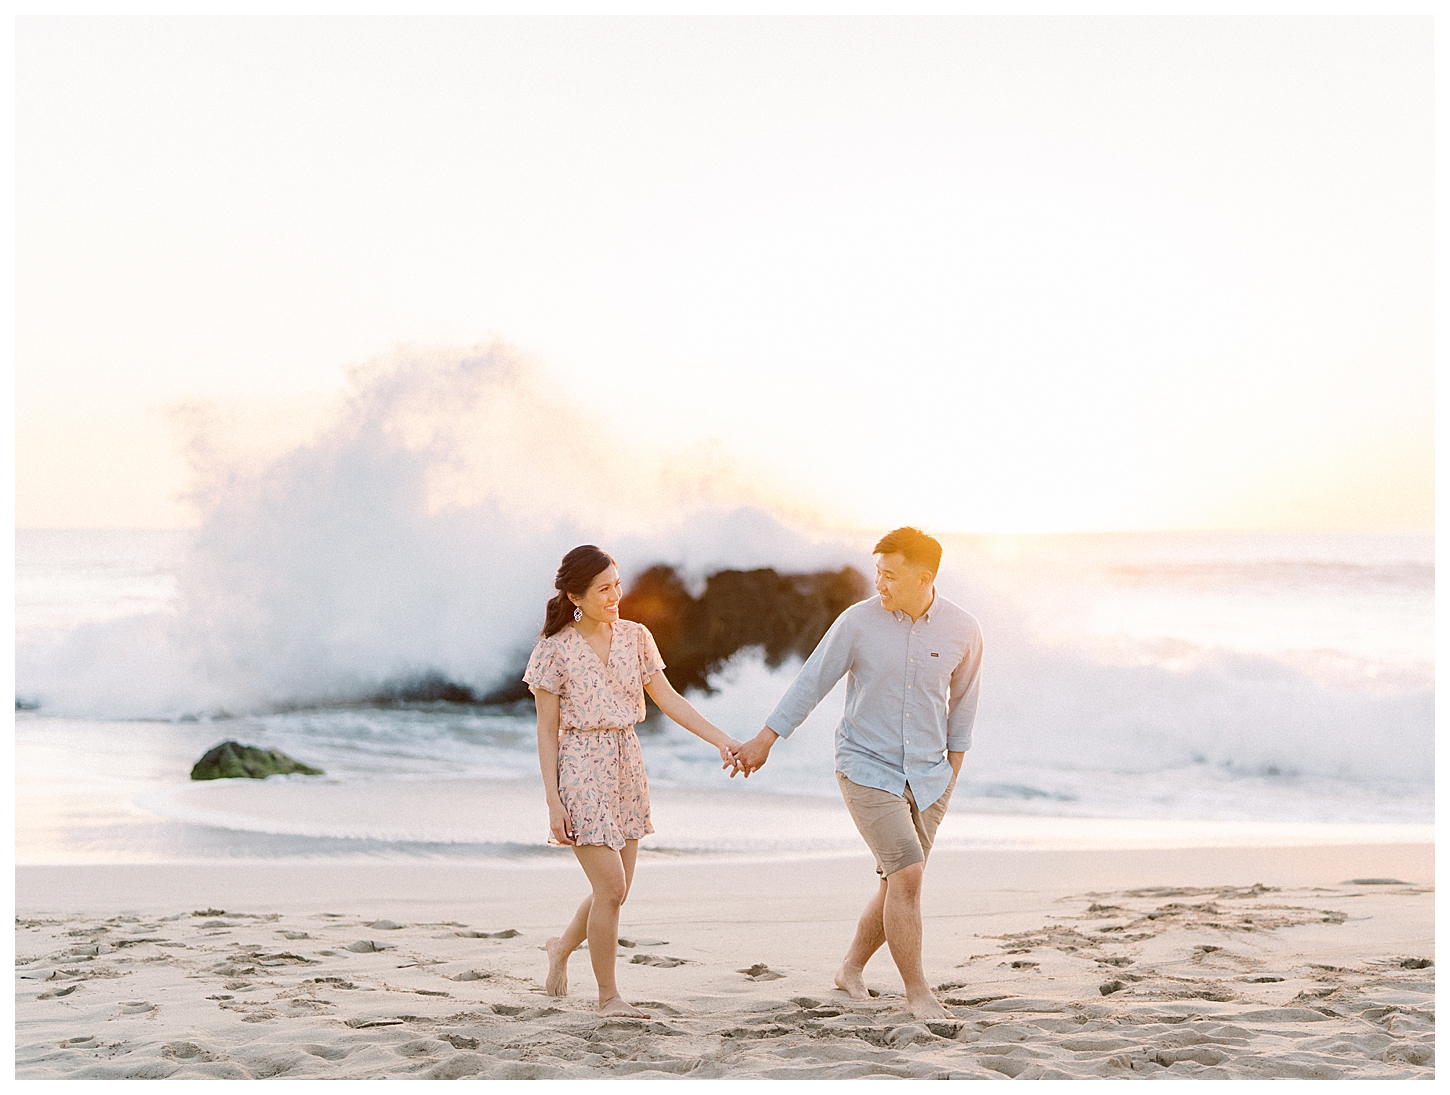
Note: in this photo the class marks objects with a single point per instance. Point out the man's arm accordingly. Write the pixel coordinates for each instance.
(826, 665)
(962, 707)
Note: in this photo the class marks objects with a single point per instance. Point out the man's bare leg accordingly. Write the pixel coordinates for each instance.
(870, 934)
(901, 920)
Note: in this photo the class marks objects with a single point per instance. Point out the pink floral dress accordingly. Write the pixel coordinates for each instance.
(601, 769)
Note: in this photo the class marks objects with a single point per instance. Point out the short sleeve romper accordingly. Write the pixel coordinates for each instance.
(601, 769)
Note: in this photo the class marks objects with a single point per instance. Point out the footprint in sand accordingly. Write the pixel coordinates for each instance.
(470, 975)
(655, 1005)
(644, 943)
(657, 960)
(187, 1051)
(507, 933)
(366, 946)
(54, 993)
(385, 926)
(284, 958)
(327, 1053)
(761, 972)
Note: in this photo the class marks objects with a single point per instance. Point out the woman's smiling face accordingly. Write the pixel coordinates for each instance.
(600, 602)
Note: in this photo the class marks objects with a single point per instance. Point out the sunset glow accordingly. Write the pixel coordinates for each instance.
(981, 274)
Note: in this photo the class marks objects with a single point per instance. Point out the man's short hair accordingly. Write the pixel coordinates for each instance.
(914, 545)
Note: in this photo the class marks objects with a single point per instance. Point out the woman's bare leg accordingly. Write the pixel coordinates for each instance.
(609, 878)
(561, 947)
(628, 856)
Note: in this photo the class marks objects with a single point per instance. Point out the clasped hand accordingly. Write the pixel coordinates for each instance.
(742, 758)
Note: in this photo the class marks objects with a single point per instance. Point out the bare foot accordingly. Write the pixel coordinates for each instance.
(619, 1007)
(849, 981)
(557, 982)
(925, 1006)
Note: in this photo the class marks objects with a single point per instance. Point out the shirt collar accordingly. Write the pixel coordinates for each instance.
(925, 616)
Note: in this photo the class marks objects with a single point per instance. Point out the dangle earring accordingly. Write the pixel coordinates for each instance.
(578, 614)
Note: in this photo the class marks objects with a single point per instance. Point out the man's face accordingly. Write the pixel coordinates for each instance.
(901, 584)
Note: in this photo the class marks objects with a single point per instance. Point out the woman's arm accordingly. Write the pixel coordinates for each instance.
(547, 706)
(683, 712)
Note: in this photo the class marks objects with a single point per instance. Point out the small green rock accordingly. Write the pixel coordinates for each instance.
(232, 760)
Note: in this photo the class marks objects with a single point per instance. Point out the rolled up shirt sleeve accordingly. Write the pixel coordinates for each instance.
(966, 688)
(826, 665)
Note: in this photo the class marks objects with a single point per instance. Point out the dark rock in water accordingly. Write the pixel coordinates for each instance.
(432, 688)
(511, 691)
(784, 614)
(232, 760)
(1375, 882)
(26, 705)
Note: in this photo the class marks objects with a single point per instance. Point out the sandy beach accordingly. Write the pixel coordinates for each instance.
(1307, 962)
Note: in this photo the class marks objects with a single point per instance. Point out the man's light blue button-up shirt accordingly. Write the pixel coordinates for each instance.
(911, 694)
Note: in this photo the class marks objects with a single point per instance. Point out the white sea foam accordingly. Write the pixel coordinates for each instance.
(418, 533)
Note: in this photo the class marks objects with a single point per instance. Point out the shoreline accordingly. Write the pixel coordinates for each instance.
(93, 887)
(1272, 959)
(473, 820)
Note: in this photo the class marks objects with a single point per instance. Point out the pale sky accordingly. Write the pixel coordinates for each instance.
(998, 274)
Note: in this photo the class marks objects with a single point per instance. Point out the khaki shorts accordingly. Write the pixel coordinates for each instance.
(897, 833)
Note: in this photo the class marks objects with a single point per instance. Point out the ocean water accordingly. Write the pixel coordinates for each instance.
(1188, 684)
(1229, 683)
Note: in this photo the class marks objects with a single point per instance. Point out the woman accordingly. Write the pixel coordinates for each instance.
(588, 675)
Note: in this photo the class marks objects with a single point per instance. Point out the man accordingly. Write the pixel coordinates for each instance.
(912, 662)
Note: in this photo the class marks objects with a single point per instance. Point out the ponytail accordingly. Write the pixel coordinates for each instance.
(576, 572)
(557, 613)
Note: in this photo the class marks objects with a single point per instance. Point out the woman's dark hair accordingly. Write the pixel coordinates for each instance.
(575, 573)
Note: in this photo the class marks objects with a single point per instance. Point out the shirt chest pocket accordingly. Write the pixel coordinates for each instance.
(934, 674)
